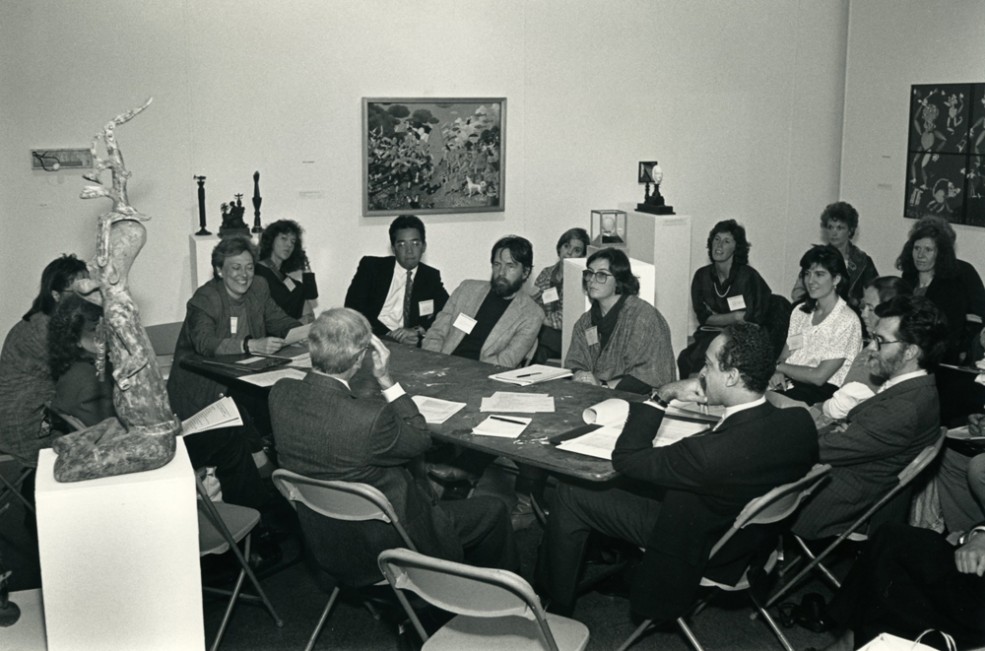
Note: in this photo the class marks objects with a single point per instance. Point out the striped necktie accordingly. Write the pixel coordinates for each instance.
(408, 288)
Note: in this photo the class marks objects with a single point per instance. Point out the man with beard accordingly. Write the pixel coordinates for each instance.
(883, 434)
(491, 321)
(677, 500)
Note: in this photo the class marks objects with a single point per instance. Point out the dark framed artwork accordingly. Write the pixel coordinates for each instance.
(431, 156)
(945, 151)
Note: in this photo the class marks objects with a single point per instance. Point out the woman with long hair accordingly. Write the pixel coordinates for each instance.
(80, 392)
(284, 265)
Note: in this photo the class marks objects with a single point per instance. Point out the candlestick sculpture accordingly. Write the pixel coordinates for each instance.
(257, 200)
(201, 206)
(142, 437)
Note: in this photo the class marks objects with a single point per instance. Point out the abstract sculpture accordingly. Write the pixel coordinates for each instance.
(142, 437)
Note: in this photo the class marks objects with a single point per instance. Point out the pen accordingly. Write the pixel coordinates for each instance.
(508, 420)
(526, 375)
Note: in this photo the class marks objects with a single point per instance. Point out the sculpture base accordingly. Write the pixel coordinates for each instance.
(202, 231)
(655, 210)
(239, 231)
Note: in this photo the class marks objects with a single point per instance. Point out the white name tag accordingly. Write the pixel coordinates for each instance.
(233, 324)
(592, 336)
(736, 303)
(550, 295)
(426, 308)
(795, 342)
(290, 284)
(464, 322)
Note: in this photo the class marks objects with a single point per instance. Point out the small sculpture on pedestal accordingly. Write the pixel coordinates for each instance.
(232, 219)
(608, 229)
(650, 172)
(201, 206)
(257, 200)
(142, 436)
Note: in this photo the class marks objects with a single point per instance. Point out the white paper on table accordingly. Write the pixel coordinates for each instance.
(221, 413)
(301, 361)
(695, 410)
(297, 334)
(612, 412)
(268, 378)
(532, 374)
(598, 443)
(522, 402)
(253, 360)
(436, 410)
(509, 427)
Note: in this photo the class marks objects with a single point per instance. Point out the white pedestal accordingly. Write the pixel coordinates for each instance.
(202, 246)
(119, 559)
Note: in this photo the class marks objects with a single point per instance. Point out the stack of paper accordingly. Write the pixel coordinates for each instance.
(531, 374)
(436, 410)
(222, 413)
(611, 415)
(524, 402)
(269, 378)
(509, 427)
(297, 334)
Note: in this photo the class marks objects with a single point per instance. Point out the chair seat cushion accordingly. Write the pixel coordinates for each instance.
(508, 633)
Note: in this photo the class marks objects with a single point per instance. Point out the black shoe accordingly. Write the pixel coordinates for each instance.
(448, 474)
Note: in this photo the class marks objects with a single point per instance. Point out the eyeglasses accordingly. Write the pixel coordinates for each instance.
(601, 277)
(880, 342)
(404, 244)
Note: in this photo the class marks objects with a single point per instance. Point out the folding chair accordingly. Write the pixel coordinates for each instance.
(220, 527)
(11, 488)
(340, 500)
(904, 478)
(496, 609)
(775, 506)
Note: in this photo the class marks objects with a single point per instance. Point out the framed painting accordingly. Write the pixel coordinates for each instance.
(433, 156)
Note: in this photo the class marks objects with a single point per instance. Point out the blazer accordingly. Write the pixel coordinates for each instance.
(206, 333)
(957, 296)
(867, 450)
(323, 431)
(369, 287)
(511, 338)
(707, 479)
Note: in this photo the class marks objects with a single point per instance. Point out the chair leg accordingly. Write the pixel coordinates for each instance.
(772, 624)
(244, 561)
(12, 488)
(814, 562)
(636, 635)
(322, 619)
(232, 602)
(686, 630)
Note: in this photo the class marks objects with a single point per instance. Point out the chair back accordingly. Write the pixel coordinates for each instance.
(776, 505)
(465, 589)
(340, 500)
(922, 460)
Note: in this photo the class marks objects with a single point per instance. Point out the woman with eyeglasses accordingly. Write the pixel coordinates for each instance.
(726, 291)
(622, 342)
(284, 265)
(824, 335)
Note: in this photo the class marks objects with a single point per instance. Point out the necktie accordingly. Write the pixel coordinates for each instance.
(408, 288)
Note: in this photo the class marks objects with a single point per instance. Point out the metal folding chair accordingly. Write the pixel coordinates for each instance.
(775, 506)
(495, 609)
(11, 488)
(904, 478)
(340, 500)
(220, 528)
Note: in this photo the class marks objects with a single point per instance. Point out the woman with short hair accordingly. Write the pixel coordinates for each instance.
(549, 294)
(284, 265)
(622, 342)
(824, 335)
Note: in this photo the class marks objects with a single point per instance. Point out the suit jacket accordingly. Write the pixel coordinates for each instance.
(511, 338)
(878, 438)
(323, 431)
(206, 332)
(708, 478)
(371, 284)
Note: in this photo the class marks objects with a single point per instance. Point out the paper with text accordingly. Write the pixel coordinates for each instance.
(530, 403)
(222, 413)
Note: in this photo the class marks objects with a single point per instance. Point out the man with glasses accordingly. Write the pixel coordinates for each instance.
(399, 294)
(492, 321)
(325, 431)
(883, 434)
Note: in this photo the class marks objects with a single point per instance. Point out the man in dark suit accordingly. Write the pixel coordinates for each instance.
(881, 435)
(677, 500)
(325, 432)
(379, 289)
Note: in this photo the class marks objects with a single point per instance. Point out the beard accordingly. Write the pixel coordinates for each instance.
(504, 288)
(882, 368)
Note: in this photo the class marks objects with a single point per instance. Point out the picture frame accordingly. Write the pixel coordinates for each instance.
(433, 155)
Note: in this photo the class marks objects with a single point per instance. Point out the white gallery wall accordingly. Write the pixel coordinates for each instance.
(893, 44)
(742, 104)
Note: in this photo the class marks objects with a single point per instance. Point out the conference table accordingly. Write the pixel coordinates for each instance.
(458, 379)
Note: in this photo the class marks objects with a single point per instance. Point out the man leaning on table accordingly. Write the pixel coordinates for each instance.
(324, 431)
(677, 500)
(492, 321)
(399, 294)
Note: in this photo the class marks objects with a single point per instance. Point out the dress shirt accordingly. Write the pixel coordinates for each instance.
(392, 312)
(390, 393)
(734, 409)
(901, 378)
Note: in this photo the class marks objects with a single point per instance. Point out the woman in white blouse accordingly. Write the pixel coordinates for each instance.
(824, 335)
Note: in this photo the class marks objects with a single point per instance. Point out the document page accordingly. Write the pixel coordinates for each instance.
(518, 402)
(269, 378)
(222, 413)
(436, 410)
